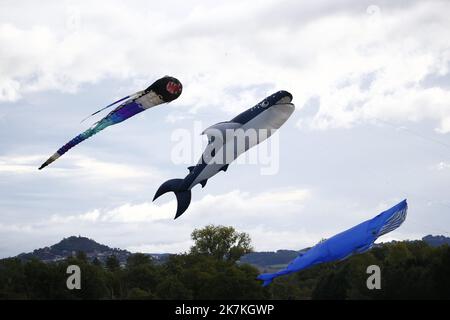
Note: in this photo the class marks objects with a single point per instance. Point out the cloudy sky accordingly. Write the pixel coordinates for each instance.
(370, 81)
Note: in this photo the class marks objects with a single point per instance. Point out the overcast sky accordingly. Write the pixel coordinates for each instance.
(370, 81)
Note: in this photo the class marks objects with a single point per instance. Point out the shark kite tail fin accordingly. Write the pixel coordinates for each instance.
(183, 196)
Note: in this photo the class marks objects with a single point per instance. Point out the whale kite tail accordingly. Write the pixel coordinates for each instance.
(183, 196)
(267, 278)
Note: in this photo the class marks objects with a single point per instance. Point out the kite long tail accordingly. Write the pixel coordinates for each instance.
(78, 139)
(183, 196)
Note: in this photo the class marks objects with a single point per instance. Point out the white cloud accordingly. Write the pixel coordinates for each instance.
(227, 205)
(397, 51)
(18, 164)
(156, 247)
(150, 226)
(442, 166)
(91, 216)
(276, 219)
(213, 47)
(82, 167)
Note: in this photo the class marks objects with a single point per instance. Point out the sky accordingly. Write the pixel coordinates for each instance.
(371, 86)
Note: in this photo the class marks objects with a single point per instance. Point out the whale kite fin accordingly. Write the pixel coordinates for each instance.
(184, 200)
(267, 278)
(218, 130)
(203, 183)
(364, 248)
(183, 196)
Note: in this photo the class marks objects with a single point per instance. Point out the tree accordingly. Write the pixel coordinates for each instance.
(81, 255)
(13, 284)
(39, 279)
(142, 273)
(221, 242)
(93, 281)
(112, 263)
(138, 294)
(96, 262)
(139, 259)
(172, 288)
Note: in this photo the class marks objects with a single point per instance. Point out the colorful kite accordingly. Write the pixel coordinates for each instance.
(161, 91)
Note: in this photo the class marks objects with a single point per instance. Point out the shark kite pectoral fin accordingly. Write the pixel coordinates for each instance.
(183, 196)
(203, 183)
(225, 167)
(191, 168)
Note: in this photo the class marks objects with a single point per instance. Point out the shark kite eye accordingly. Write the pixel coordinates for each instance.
(265, 103)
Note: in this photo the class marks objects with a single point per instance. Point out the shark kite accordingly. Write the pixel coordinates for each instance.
(356, 240)
(227, 140)
(161, 91)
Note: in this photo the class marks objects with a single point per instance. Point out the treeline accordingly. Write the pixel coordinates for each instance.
(409, 270)
(210, 270)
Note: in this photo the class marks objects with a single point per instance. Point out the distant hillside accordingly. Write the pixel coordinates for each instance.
(436, 241)
(79, 244)
(71, 245)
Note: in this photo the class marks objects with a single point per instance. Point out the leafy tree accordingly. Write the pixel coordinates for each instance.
(81, 255)
(139, 259)
(221, 242)
(39, 280)
(96, 262)
(142, 273)
(12, 279)
(139, 294)
(441, 272)
(112, 263)
(333, 286)
(172, 288)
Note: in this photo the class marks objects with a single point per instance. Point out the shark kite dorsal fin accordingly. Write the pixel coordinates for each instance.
(191, 168)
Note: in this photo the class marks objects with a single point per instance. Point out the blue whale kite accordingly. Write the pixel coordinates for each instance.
(227, 140)
(352, 241)
(161, 91)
